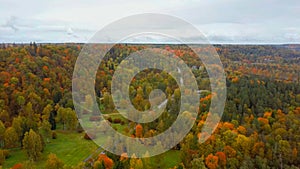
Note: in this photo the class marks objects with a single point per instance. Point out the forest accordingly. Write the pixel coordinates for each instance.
(259, 128)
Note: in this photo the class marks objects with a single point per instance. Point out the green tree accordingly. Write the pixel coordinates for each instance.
(32, 144)
(45, 129)
(67, 117)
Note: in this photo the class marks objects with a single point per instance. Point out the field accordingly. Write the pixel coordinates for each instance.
(65, 146)
(71, 148)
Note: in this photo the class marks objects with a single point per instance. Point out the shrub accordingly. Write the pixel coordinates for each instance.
(54, 135)
(6, 153)
(17, 166)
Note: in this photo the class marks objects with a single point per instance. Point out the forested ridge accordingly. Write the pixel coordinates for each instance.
(259, 127)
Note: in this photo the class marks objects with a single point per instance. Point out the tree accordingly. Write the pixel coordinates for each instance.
(108, 163)
(198, 163)
(2, 157)
(146, 161)
(53, 162)
(67, 117)
(98, 165)
(2, 131)
(32, 144)
(21, 101)
(211, 161)
(108, 102)
(31, 119)
(222, 158)
(46, 112)
(11, 138)
(45, 129)
(72, 120)
(28, 165)
(139, 131)
(4, 116)
(244, 144)
(136, 163)
(294, 154)
(18, 124)
(285, 150)
(89, 102)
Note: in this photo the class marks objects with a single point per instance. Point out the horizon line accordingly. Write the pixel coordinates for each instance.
(160, 43)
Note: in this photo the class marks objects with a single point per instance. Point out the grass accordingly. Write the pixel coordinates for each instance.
(166, 160)
(70, 147)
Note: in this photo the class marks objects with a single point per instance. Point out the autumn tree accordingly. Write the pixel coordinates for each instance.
(211, 161)
(136, 163)
(222, 158)
(198, 163)
(139, 131)
(45, 129)
(2, 131)
(11, 138)
(67, 117)
(18, 125)
(29, 164)
(99, 165)
(53, 162)
(108, 163)
(32, 145)
(285, 151)
(46, 112)
(2, 157)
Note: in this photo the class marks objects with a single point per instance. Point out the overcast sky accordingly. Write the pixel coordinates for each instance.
(221, 21)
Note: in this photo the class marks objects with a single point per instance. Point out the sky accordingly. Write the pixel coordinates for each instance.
(221, 21)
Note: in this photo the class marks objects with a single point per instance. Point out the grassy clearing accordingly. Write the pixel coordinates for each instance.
(70, 147)
(166, 160)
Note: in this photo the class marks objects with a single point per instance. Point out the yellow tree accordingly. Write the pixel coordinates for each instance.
(11, 138)
(2, 131)
(32, 145)
(53, 162)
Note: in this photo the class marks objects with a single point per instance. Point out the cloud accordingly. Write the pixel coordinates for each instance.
(224, 21)
(11, 23)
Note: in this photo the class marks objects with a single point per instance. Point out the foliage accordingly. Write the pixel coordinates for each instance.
(53, 162)
(259, 127)
(32, 144)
